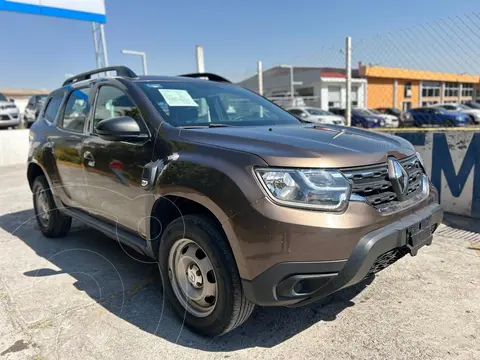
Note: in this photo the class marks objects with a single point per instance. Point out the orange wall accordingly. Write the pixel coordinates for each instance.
(401, 92)
(379, 93)
(408, 74)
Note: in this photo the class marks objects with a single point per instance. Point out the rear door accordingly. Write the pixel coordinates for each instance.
(67, 145)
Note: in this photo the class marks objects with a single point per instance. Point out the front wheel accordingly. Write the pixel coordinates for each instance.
(200, 276)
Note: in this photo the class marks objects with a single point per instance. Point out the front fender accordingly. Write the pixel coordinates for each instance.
(220, 180)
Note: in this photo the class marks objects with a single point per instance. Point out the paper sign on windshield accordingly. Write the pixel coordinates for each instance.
(177, 97)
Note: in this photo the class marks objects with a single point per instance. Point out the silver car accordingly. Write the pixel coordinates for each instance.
(9, 114)
(316, 115)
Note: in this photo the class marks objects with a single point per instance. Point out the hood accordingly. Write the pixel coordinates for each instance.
(309, 145)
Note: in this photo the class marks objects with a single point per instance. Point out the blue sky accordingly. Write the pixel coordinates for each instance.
(38, 51)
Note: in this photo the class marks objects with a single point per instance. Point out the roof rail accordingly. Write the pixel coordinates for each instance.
(208, 76)
(121, 71)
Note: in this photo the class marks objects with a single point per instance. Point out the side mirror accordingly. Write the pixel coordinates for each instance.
(122, 128)
(11, 100)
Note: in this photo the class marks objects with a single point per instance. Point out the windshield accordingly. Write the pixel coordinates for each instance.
(3, 98)
(206, 103)
(375, 112)
(318, 112)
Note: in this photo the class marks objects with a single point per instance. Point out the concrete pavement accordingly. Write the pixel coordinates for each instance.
(84, 297)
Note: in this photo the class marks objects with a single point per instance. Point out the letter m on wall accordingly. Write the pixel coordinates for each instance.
(443, 162)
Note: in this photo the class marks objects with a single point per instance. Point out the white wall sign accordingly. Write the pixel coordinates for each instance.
(86, 10)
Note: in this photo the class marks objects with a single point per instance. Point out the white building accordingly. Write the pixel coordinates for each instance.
(322, 87)
(21, 96)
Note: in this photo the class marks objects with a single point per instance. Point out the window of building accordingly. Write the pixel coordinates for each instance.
(467, 90)
(451, 89)
(431, 89)
(406, 105)
(407, 92)
(76, 111)
(429, 103)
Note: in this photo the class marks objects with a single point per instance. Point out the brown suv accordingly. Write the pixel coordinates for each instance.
(239, 202)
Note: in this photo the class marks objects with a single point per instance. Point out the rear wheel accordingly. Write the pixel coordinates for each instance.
(200, 276)
(448, 123)
(50, 220)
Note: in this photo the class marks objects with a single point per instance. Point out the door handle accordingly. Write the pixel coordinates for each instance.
(87, 155)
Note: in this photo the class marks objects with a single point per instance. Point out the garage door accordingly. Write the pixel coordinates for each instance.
(334, 96)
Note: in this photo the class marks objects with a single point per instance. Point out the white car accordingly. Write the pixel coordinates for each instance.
(285, 100)
(316, 115)
(464, 109)
(391, 121)
(9, 114)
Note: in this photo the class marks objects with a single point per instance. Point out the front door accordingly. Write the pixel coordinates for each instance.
(113, 169)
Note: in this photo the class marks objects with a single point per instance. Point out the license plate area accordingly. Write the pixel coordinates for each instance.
(418, 235)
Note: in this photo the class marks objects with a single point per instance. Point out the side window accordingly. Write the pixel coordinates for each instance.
(113, 102)
(76, 110)
(52, 107)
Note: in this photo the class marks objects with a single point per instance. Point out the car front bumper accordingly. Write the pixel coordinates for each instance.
(10, 122)
(300, 283)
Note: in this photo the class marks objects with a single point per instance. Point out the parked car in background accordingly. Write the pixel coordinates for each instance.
(361, 118)
(428, 116)
(33, 109)
(472, 104)
(284, 99)
(316, 115)
(248, 210)
(464, 109)
(391, 121)
(404, 118)
(9, 113)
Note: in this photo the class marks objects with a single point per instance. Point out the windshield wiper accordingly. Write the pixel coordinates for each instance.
(213, 125)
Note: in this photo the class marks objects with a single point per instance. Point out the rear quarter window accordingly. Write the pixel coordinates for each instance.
(52, 108)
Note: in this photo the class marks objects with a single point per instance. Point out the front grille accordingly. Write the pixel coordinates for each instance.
(4, 117)
(387, 259)
(372, 182)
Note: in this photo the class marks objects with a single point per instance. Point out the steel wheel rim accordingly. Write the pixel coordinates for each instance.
(193, 277)
(43, 209)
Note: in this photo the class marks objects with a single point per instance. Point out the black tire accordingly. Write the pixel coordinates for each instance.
(58, 224)
(232, 308)
(448, 123)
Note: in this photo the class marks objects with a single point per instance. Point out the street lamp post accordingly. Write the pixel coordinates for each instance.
(138, 53)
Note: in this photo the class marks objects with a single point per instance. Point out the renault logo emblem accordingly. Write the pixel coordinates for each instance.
(398, 177)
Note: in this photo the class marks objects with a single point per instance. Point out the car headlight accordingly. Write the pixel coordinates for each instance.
(326, 190)
(374, 120)
(459, 118)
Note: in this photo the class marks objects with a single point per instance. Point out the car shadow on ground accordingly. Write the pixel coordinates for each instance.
(128, 286)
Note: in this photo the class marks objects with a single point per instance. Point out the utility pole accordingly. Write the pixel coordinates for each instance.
(260, 77)
(348, 61)
(200, 59)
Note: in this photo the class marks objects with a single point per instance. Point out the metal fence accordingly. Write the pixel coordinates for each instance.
(425, 75)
